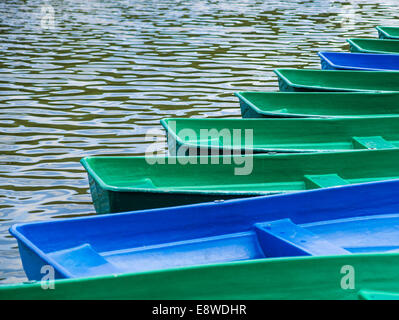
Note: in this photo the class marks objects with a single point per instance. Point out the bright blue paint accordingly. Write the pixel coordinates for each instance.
(283, 238)
(359, 61)
(365, 219)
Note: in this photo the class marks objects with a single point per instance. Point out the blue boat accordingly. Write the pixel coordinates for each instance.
(336, 221)
(359, 61)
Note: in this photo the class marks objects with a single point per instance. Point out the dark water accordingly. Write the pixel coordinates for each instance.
(110, 70)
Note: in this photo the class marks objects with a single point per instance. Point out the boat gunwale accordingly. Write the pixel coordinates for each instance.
(342, 90)
(322, 55)
(386, 34)
(13, 230)
(112, 188)
(240, 96)
(195, 144)
(308, 116)
(232, 149)
(369, 51)
(161, 190)
(352, 257)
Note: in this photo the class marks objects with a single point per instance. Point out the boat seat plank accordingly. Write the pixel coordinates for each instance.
(376, 142)
(83, 260)
(283, 238)
(324, 181)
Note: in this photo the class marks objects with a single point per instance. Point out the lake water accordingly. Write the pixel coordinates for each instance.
(105, 72)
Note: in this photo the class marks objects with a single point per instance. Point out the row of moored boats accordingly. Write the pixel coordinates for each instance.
(173, 234)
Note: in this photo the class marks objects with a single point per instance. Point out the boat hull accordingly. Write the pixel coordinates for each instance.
(377, 46)
(359, 61)
(277, 279)
(388, 32)
(307, 80)
(130, 183)
(318, 105)
(109, 201)
(279, 135)
(312, 223)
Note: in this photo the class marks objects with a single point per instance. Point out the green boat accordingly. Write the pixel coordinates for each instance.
(218, 136)
(299, 80)
(318, 104)
(388, 32)
(300, 278)
(119, 184)
(377, 295)
(374, 46)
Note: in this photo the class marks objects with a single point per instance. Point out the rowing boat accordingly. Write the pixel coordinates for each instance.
(374, 46)
(318, 104)
(226, 136)
(365, 220)
(359, 61)
(300, 278)
(388, 32)
(119, 184)
(299, 80)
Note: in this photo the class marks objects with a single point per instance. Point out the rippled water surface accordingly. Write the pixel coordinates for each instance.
(108, 71)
